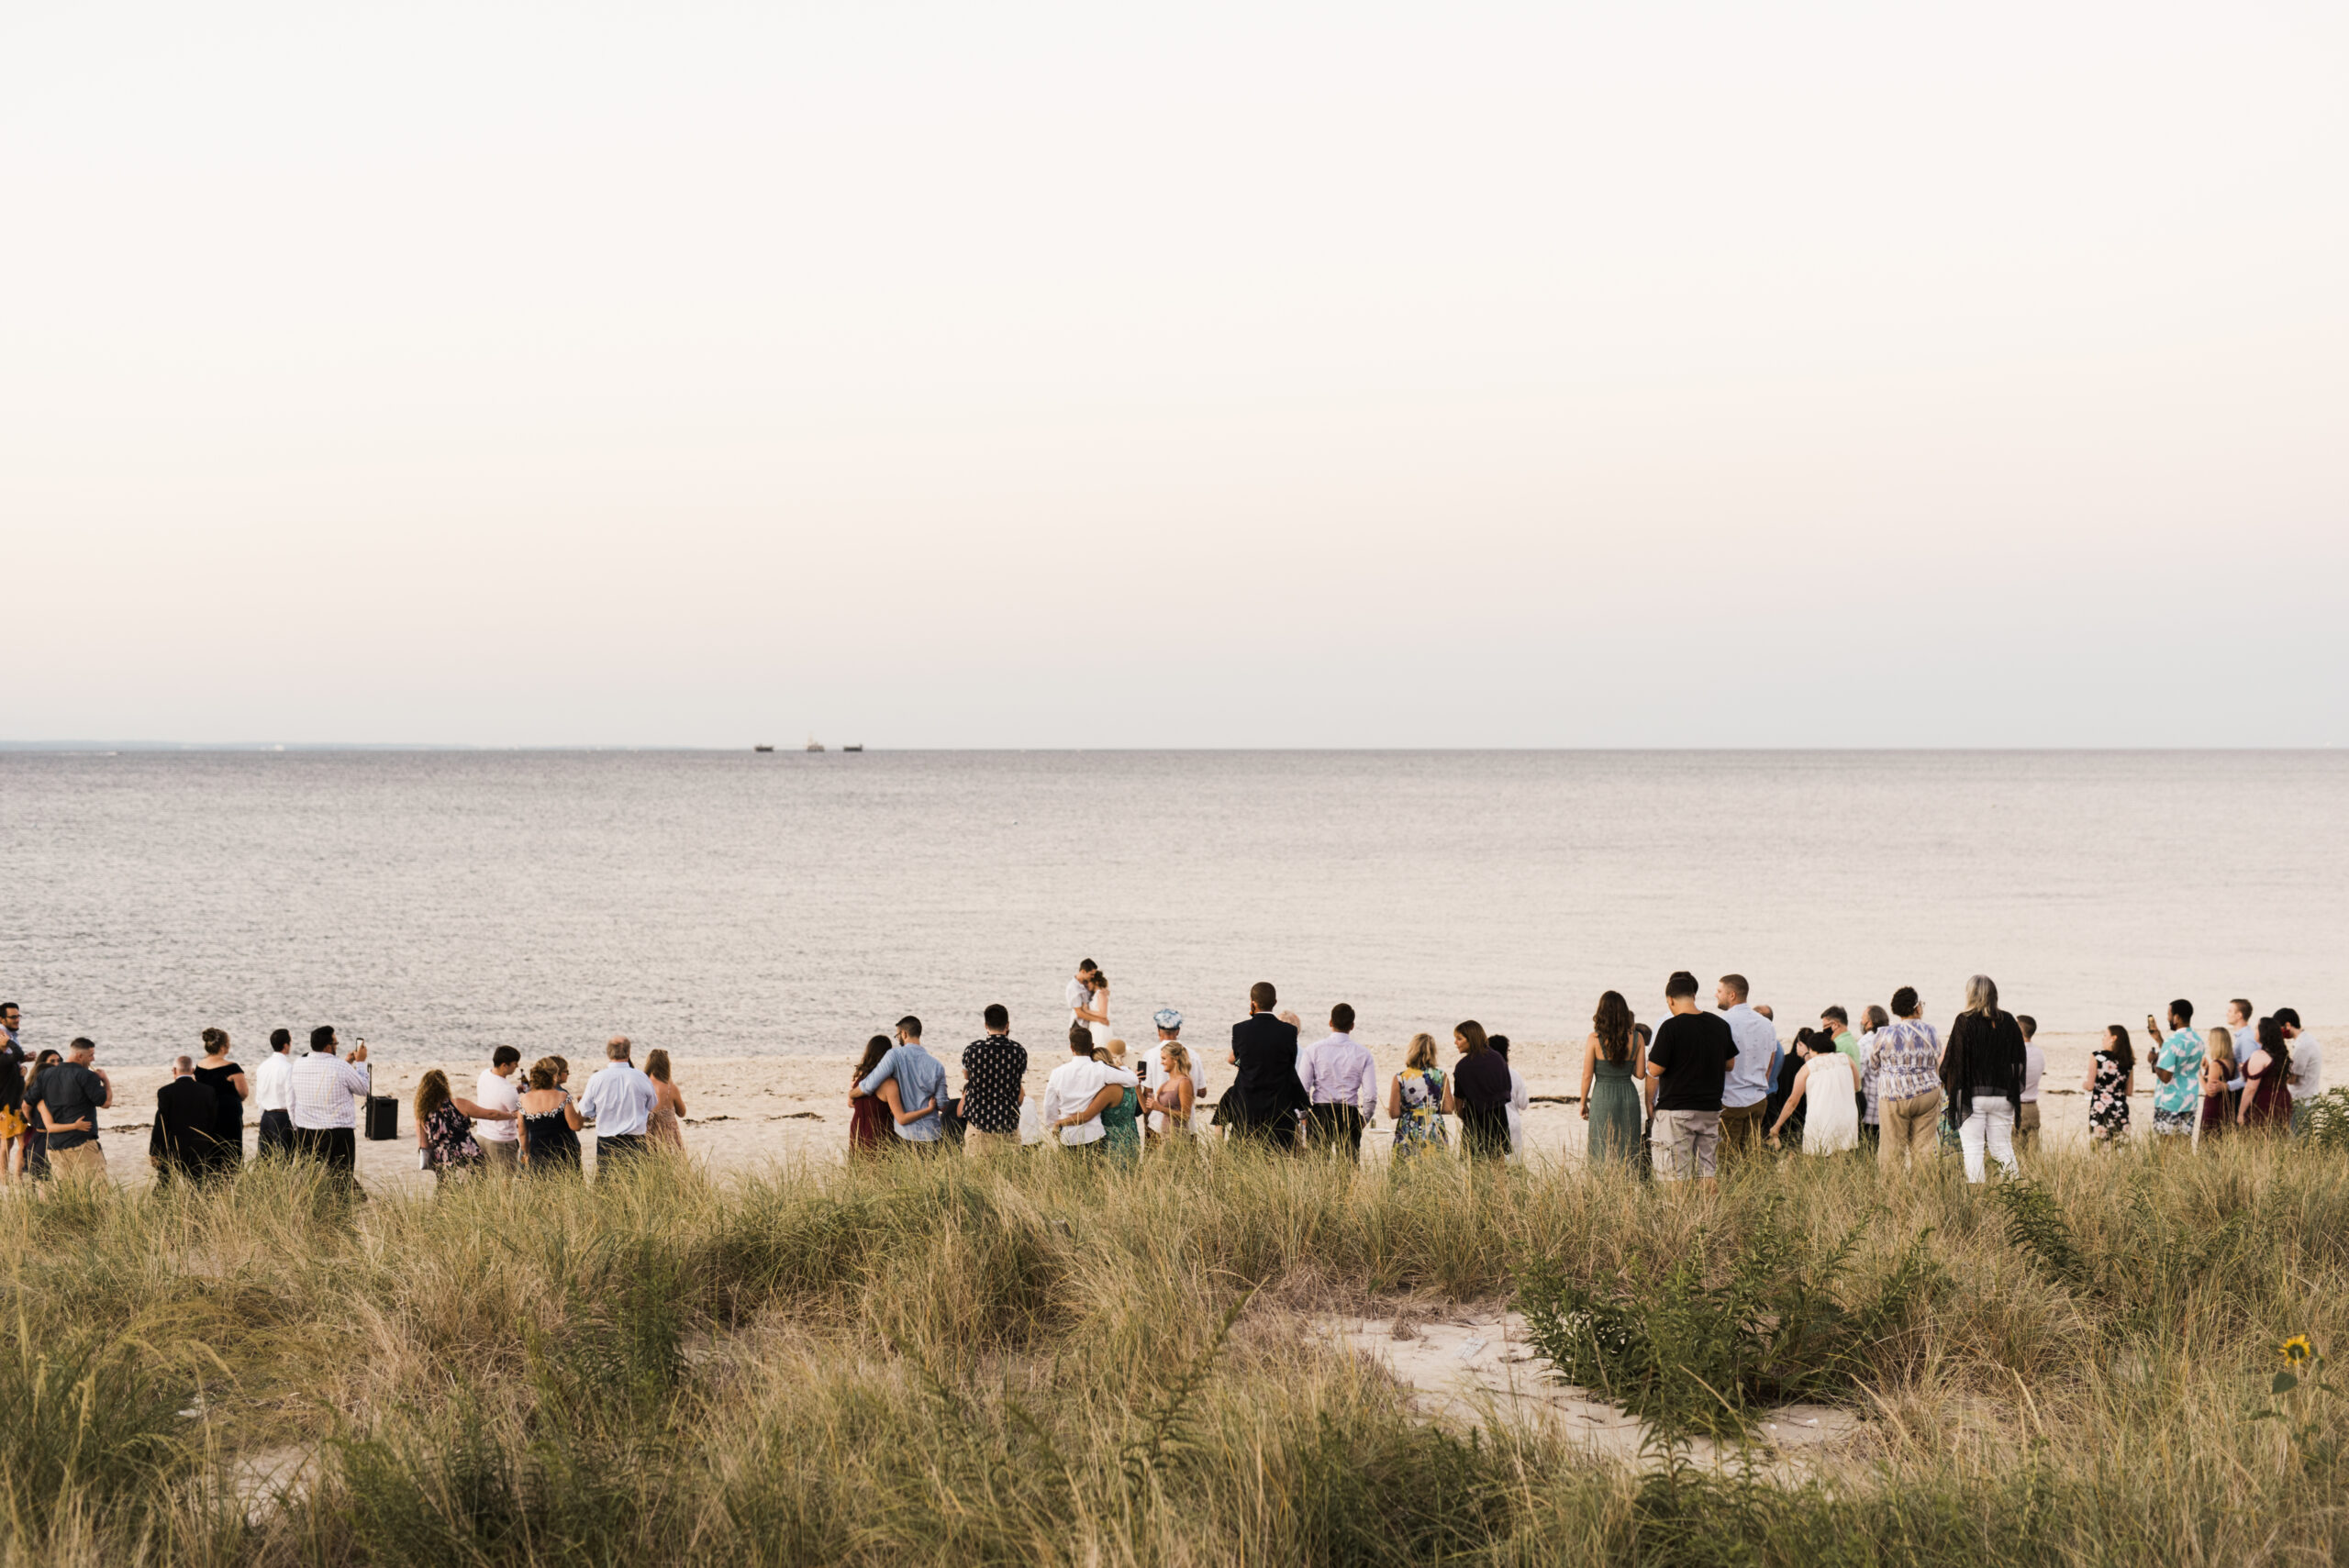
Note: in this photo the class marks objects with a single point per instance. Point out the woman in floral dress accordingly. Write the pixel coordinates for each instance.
(2112, 1073)
(444, 1126)
(1417, 1099)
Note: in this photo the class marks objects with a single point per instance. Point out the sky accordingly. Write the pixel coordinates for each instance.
(1269, 374)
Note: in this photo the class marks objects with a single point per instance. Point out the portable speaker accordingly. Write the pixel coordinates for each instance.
(383, 1117)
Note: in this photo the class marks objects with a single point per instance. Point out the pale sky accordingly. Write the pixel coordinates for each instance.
(1257, 375)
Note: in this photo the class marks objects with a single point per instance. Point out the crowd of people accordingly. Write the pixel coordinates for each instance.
(1673, 1096)
(310, 1105)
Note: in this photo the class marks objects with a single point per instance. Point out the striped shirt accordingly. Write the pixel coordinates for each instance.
(1907, 1054)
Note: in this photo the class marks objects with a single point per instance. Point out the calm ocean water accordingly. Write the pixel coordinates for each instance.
(735, 904)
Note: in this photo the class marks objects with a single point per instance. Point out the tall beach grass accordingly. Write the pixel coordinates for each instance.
(1029, 1359)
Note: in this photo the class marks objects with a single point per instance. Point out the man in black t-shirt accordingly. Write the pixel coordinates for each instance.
(1688, 1059)
(72, 1093)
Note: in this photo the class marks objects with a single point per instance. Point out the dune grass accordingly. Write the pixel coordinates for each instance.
(1025, 1360)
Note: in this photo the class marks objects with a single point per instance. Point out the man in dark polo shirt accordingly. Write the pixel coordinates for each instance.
(1690, 1060)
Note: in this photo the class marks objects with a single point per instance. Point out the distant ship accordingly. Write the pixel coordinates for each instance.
(763, 748)
(858, 747)
(814, 744)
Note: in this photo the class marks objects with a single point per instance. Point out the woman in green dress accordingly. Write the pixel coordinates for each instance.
(1614, 1074)
(1120, 1134)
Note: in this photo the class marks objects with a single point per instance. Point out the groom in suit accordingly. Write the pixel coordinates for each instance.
(1265, 1092)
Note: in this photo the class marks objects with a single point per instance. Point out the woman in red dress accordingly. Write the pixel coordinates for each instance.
(868, 1118)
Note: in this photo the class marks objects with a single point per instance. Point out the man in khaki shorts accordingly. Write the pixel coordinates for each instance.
(72, 1093)
(1688, 1059)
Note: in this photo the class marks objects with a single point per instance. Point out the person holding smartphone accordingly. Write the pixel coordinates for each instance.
(2177, 1071)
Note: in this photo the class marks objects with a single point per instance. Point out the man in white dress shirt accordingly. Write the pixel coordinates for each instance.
(1072, 1090)
(326, 1124)
(501, 1141)
(1341, 1083)
(273, 1097)
(619, 1100)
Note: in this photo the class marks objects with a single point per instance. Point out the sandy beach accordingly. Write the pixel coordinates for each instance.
(748, 1112)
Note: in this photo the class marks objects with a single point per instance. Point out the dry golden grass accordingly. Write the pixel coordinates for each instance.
(1020, 1360)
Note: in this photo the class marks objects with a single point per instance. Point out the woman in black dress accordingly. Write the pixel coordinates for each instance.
(227, 1082)
(551, 1122)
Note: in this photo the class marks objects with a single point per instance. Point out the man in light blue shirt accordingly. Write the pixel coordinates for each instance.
(619, 1100)
(1745, 1093)
(912, 1083)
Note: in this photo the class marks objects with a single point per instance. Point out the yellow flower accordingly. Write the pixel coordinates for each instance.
(2295, 1349)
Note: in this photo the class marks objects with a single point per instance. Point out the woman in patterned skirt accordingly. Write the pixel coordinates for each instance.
(2112, 1073)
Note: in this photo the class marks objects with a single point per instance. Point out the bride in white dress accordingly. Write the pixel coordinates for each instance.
(1827, 1084)
(1095, 1014)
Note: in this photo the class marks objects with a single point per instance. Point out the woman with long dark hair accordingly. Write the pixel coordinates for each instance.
(1981, 1075)
(1614, 1069)
(1820, 1100)
(2112, 1073)
(2266, 1098)
(869, 1123)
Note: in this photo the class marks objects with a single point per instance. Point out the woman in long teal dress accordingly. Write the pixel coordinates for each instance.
(1614, 1068)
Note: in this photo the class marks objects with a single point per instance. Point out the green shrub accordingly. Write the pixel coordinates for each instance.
(1695, 1358)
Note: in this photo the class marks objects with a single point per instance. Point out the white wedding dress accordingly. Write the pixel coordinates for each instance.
(1831, 1117)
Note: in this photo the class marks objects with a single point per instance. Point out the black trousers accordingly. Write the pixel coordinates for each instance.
(1278, 1131)
(277, 1135)
(1483, 1131)
(336, 1148)
(620, 1149)
(1335, 1129)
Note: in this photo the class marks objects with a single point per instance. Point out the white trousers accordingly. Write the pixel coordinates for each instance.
(1993, 1122)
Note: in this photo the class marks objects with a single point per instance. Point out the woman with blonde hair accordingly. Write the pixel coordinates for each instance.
(444, 1126)
(1417, 1099)
(664, 1128)
(1981, 1078)
(551, 1122)
(1175, 1093)
(2219, 1070)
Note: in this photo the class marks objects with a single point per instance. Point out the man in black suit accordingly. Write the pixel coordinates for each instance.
(181, 1140)
(1265, 1092)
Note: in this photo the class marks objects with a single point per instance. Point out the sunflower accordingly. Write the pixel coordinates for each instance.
(2295, 1349)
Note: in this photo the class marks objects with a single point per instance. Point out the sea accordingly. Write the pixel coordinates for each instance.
(743, 904)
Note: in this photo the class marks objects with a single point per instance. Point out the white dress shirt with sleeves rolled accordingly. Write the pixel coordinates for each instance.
(324, 1085)
(620, 1099)
(1337, 1072)
(1071, 1088)
(274, 1083)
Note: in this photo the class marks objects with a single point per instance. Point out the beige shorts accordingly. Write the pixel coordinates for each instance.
(1686, 1143)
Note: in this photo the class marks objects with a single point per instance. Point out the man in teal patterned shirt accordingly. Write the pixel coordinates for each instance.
(2177, 1067)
